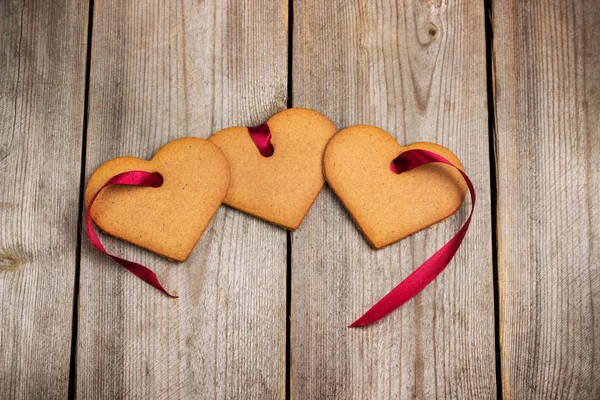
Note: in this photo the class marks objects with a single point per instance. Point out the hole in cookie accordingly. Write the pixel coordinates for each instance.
(397, 166)
(261, 136)
(157, 180)
(268, 152)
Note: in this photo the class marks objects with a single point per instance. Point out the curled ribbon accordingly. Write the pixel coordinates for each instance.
(261, 135)
(431, 268)
(131, 178)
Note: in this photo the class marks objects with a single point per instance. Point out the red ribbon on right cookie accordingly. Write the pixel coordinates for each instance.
(431, 268)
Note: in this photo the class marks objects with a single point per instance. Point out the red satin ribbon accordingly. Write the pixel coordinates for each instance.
(431, 268)
(131, 178)
(261, 135)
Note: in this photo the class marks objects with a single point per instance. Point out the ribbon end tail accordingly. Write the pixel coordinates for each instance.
(369, 318)
(358, 323)
(162, 289)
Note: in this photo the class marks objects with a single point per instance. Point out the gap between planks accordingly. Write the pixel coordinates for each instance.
(491, 103)
(72, 388)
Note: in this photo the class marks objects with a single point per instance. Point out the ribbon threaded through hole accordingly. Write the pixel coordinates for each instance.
(157, 180)
(261, 136)
(430, 269)
(130, 178)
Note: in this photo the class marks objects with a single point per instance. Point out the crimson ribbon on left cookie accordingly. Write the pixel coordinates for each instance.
(431, 268)
(131, 178)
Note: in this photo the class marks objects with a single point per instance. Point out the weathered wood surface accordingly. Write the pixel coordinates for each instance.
(548, 142)
(42, 88)
(416, 69)
(160, 71)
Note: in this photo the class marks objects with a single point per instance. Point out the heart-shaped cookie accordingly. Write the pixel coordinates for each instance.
(280, 188)
(170, 219)
(388, 206)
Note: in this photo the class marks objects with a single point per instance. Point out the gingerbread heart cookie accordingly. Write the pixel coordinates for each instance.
(279, 188)
(388, 206)
(170, 219)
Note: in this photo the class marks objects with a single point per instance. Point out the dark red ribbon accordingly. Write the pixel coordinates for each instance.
(131, 178)
(261, 135)
(431, 268)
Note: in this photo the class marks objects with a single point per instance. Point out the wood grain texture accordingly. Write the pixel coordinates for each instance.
(548, 141)
(163, 70)
(417, 70)
(42, 88)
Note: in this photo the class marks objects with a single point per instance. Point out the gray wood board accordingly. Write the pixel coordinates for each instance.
(161, 71)
(42, 76)
(547, 58)
(417, 70)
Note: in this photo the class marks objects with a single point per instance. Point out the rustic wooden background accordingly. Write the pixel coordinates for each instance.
(512, 87)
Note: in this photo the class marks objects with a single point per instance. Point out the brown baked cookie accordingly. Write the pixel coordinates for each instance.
(168, 220)
(280, 188)
(388, 206)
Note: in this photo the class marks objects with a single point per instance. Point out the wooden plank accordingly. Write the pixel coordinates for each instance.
(548, 114)
(162, 71)
(418, 71)
(42, 76)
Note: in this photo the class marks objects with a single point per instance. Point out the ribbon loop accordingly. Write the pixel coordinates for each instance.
(431, 268)
(131, 178)
(261, 135)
